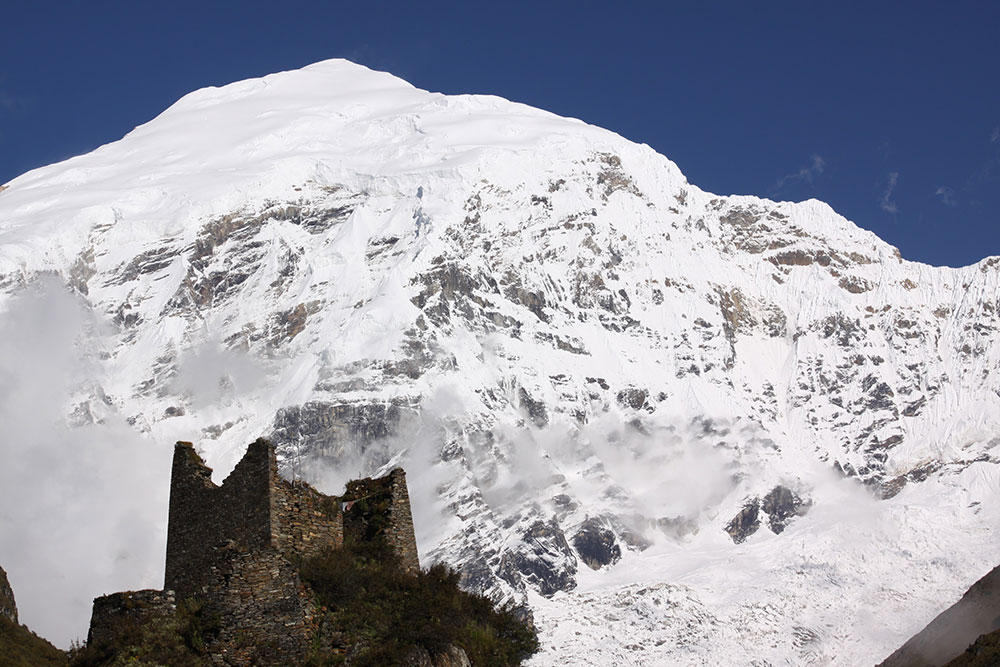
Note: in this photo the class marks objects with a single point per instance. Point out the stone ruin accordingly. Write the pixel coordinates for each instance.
(235, 547)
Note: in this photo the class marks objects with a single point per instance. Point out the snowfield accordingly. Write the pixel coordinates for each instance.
(682, 428)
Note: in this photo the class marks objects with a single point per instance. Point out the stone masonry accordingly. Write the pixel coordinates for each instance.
(387, 498)
(8, 609)
(400, 534)
(236, 547)
(254, 508)
(114, 612)
(265, 610)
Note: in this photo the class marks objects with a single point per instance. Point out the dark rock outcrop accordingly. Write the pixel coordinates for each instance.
(781, 505)
(985, 652)
(8, 608)
(536, 409)
(544, 559)
(746, 522)
(453, 656)
(330, 431)
(961, 625)
(596, 544)
(19, 646)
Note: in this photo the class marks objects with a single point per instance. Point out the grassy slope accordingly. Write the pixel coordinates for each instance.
(20, 646)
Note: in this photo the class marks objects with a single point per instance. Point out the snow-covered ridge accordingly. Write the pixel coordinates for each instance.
(720, 429)
(221, 148)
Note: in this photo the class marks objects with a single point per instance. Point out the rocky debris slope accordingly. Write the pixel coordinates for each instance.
(585, 358)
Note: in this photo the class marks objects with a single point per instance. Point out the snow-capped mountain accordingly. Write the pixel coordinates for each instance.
(682, 428)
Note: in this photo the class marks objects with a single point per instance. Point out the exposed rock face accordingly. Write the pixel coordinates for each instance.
(596, 544)
(746, 522)
(536, 409)
(8, 608)
(984, 652)
(781, 505)
(454, 656)
(544, 558)
(331, 431)
(948, 635)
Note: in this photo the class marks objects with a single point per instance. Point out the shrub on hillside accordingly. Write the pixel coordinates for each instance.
(20, 647)
(375, 614)
(174, 641)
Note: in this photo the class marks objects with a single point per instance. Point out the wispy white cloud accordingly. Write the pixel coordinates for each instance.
(947, 195)
(995, 135)
(805, 173)
(886, 202)
(83, 496)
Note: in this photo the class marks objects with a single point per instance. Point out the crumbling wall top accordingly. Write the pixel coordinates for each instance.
(114, 613)
(203, 515)
(381, 507)
(254, 508)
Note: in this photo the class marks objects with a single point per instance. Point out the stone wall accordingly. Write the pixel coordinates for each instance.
(266, 615)
(115, 613)
(381, 507)
(400, 534)
(304, 522)
(8, 608)
(254, 508)
(203, 515)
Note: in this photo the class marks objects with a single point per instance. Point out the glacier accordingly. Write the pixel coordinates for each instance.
(678, 427)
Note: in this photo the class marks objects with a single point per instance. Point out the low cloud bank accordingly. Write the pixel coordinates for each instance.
(82, 508)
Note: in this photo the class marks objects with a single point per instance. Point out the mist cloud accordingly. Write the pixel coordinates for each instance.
(210, 374)
(82, 508)
(947, 195)
(885, 202)
(805, 174)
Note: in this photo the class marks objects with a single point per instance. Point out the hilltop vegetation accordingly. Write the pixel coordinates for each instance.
(20, 647)
(372, 614)
(378, 615)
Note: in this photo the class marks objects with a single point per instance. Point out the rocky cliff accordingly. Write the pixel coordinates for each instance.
(8, 607)
(19, 646)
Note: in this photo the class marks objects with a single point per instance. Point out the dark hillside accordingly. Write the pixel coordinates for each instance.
(971, 622)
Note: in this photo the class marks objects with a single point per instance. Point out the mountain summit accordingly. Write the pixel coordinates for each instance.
(681, 428)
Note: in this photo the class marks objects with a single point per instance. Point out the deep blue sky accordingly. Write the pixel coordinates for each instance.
(890, 112)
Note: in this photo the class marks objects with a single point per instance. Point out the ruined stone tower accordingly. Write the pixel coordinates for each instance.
(236, 547)
(254, 509)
